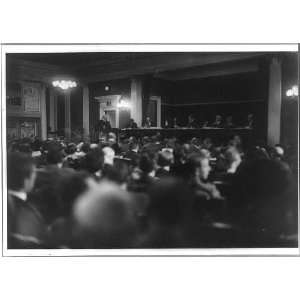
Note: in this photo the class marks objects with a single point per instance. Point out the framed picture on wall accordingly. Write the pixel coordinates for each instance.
(31, 99)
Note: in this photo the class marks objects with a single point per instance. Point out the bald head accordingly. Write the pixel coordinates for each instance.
(104, 214)
(109, 155)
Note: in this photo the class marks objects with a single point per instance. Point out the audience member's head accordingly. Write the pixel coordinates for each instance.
(207, 143)
(104, 217)
(20, 172)
(109, 155)
(93, 146)
(277, 152)
(54, 157)
(93, 161)
(71, 187)
(235, 141)
(25, 148)
(118, 173)
(169, 202)
(146, 163)
(85, 147)
(133, 144)
(165, 158)
(70, 149)
(199, 164)
(232, 159)
(262, 190)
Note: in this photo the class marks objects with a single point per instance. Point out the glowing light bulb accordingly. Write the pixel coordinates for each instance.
(295, 90)
(64, 84)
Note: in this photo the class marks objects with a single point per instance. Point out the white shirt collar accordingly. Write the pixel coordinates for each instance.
(19, 194)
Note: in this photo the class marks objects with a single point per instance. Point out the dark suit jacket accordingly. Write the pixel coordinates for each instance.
(103, 126)
(160, 173)
(192, 124)
(132, 125)
(24, 220)
(133, 156)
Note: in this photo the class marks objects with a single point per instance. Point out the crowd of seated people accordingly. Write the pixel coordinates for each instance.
(149, 193)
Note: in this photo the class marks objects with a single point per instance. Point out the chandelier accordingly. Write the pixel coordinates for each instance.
(292, 92)
(64, 84)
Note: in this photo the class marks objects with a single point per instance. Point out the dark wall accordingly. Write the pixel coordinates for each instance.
(156, 87)
(235, 95)
(240, 87)
(124, 118)
(116, 87)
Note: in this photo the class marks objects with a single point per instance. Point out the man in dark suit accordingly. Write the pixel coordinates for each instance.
(218, 123)
(25, 225)
(192, 122)
(133, 152)
(132, 124)
(164, 162)
(148, 123)
(103, 127)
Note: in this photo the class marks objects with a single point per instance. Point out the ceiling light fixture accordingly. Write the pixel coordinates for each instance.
(64, 84)
(292, 92)
(123, 104)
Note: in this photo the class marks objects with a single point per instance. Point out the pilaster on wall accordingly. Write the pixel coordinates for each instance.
(43, 113)
(53, 109)
(67, 116)
(136, 100)
(85, 112)
(274, 102)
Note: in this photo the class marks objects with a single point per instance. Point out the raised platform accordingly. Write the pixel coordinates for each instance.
(183, 134)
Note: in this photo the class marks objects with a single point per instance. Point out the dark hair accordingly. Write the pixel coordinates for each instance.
(132, 143)
(54, 156)
(117, 173)
(25, 148)
(85, 147)
(36, 145)
(71, 187)
(71, 148)
(264, 178)
(19, 167)
(146, 164)
(164, 159)
(169, 201)
(262, 194)
(93, 161)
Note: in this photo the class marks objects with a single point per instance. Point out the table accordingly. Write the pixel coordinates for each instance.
(183, 134)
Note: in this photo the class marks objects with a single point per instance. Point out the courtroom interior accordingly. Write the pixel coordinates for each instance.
(152, 149)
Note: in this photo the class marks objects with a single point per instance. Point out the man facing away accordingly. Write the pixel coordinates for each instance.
(24, 223)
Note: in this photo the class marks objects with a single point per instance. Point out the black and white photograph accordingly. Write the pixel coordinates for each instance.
(150, 149)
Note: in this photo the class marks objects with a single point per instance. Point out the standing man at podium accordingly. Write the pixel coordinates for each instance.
(103, 127)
